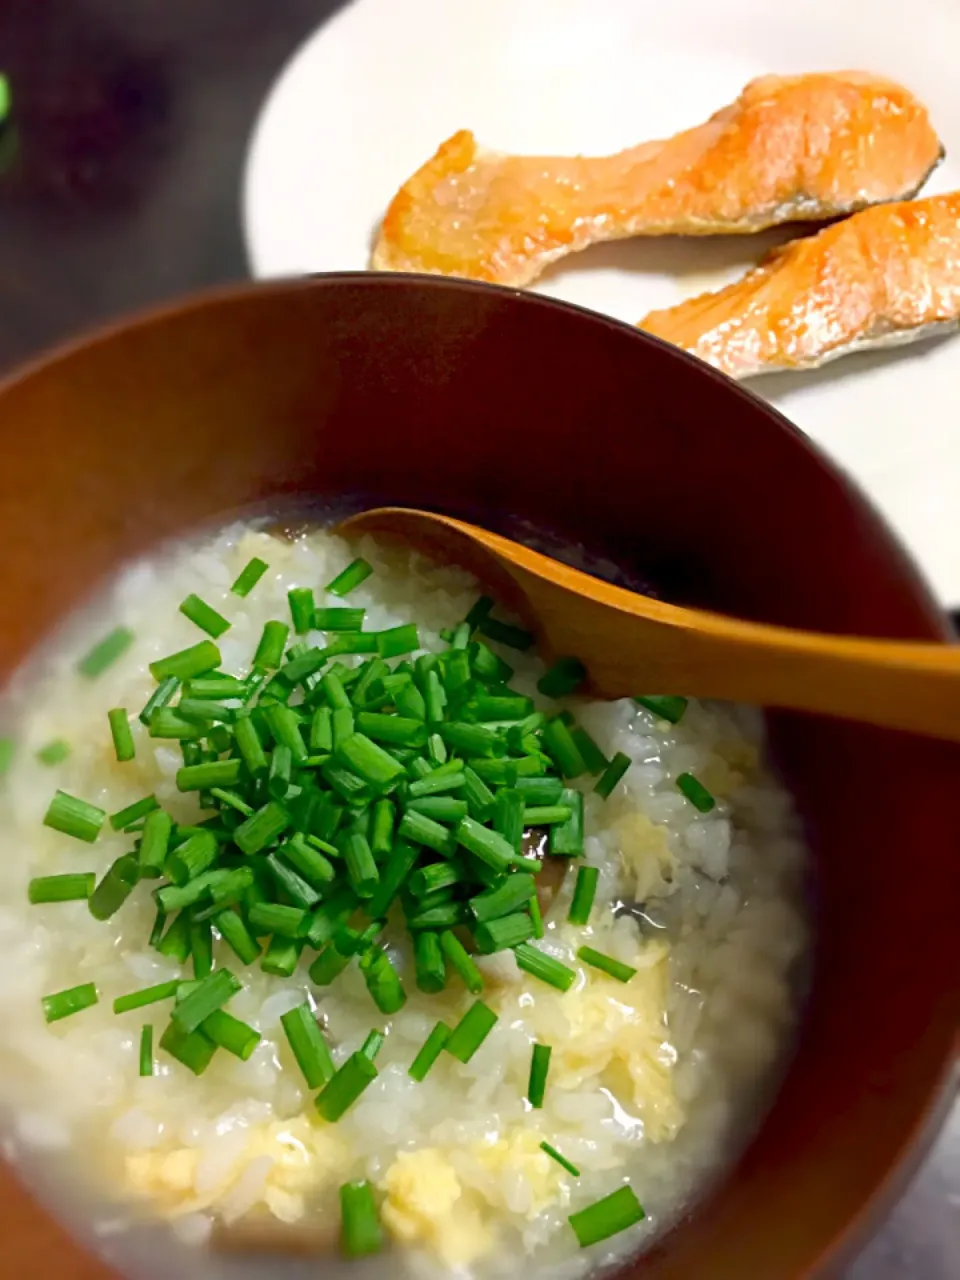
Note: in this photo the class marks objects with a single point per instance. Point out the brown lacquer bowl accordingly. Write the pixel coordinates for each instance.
(489, 405)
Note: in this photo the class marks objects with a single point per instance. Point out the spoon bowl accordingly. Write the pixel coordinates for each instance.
(631, 643)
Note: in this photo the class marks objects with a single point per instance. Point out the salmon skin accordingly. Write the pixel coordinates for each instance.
(884, 277)
(791, 148)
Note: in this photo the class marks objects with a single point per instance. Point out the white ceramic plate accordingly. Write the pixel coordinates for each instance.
(373, 92)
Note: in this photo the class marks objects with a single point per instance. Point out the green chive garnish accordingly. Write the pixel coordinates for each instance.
(614, 771)
(554, 1154)
(429, 1052)
(309, 1046)
(608, 1217)
(147, 995)
(471, 1031)
(561, 746)
(539, 1066)
(236, 935)
(504, 932)
(667, 708)
(54, 752)
(115, 887)
(74, 817)
(505, 633)
(146, 1050)
(161, 697)
(564, 677)
(187, 663)
(696, 792)
(607, 964)
(360, 1230)
(301, 609)
(193, 1049)
(125, 818)
(350, 578)
(123, 743)
(383, 981)
(460, 959)
(105, 652)
(545, 967)
(65, 1003)
(66, 888)
(340, 1093)
(204, 616)
(583, 895)
(249, 576)
(338, 619)
(230, 1033)
(212, 993)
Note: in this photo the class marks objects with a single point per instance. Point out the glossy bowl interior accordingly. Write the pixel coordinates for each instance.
(490, 405)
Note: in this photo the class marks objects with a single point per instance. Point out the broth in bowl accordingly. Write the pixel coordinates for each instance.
(416, 948)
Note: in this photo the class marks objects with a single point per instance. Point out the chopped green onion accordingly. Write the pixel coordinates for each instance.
(321, 730)
(593, 757)
(159, 699)
(509, 817)
(480, 799)
(340, 1093)
(284, 724)
(175, 943)
(269, 654)
(505, 633)
(360, 1231)
(56, 752)
(351, 577)
(583, 895)
(154, 843)
(193, 1049)
(342, 725)
(292, 885)
(115, 887)
(401, 731)
(362, 870)
(236, 935)
(262, 829)
(274, 917)
(212, 773)
(373, 1044)
(614, 771)
(201, 948)
(419, 829)
(437, 876)
(212, 993)
(196, 854)
(504, 932)
(123, 743)
(515, 892)
(445, 777)
(395, 871)
(147, 995)
(168, 723)
(608, 1217)
(561, 746)
(204, 616)
(462, 961)
(554, 1154)
(471, 739)
(338, 619)
(696, 792)
(308, 1044)
(249, 576)
(146, 1050)
(186, 663)
(282, 956)
(489, 846)
(308, 861)
(231, 1034)
(667, 708)
(363, 757)
(74, 817)
(564, 677)
(381, 828)
(430, 967)
(545, 967)
(66, 888)
(534, 908)
(540, 791)
(383, 981)
(607, 964)
(398, 640)
(215, 688)
(301, 609)
(545, 815)
(429, 1052)
(539, 1066)
(329, 964)
(65, 1003)
(471, 1031)
(106, 652)
(248, 743)
(566, 839)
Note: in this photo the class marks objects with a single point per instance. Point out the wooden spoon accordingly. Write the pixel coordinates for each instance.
(632, 644)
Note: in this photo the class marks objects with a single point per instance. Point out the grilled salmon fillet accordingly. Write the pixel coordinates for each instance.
(790, 148)
(886, 276)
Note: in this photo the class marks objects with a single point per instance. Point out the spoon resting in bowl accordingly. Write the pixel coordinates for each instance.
(632, 644)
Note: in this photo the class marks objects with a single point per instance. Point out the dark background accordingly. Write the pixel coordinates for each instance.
(120, 187)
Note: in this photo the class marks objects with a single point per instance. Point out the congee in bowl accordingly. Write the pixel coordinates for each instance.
(334, 920)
